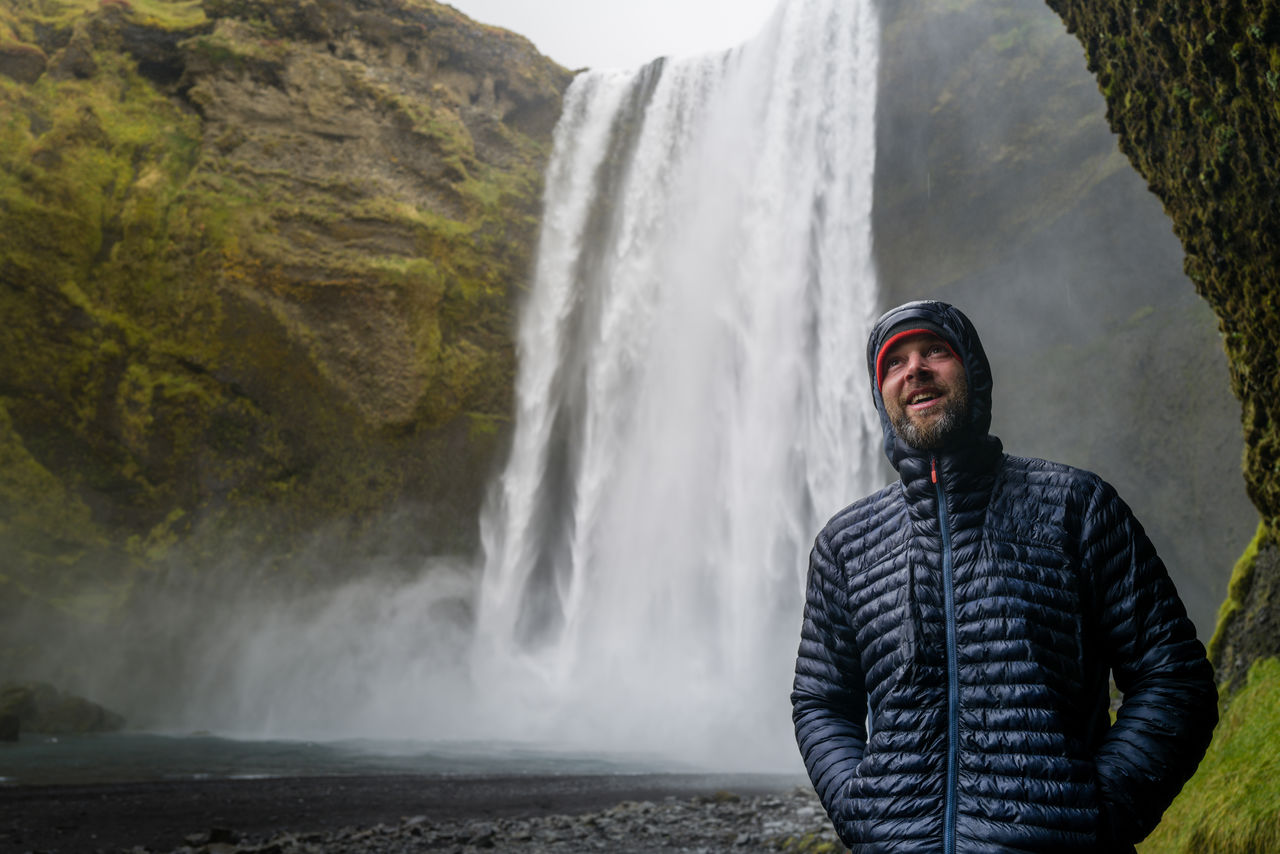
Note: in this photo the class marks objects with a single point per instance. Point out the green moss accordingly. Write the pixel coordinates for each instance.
(1237, 589)
(1213, 163)
(1229, 807)
(483, 427)
(159, 14)
(193, 317)
(809, 843)
(170, 14)
(52, 546)
(30, 494)
(240, 46)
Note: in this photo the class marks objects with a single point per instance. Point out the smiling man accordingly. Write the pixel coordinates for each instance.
(923, 386)
(962, 626)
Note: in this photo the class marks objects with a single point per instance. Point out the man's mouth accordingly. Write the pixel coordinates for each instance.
(922, 400)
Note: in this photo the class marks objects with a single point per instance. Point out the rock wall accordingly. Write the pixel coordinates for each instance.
(1193, 93)
(259, 271)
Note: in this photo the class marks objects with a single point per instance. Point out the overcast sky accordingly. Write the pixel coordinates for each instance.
(623, 33)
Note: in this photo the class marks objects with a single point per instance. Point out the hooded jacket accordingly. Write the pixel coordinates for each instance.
(951, 690)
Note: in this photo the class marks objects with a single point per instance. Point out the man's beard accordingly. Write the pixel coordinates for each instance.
(935, 433)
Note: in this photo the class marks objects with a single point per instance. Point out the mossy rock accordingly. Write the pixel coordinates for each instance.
(1249, 622)
(1192, 95)
(259, 276)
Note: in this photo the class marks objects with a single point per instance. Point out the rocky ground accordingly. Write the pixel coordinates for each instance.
(724, 822)
(653, 814)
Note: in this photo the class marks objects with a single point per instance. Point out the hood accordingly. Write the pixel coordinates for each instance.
(964, 340)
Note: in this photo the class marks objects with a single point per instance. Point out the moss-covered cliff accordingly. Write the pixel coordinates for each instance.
(1193, 93)
(259, 268)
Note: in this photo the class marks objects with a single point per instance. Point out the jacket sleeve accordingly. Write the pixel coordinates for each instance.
(1169, 704)
(829, 702)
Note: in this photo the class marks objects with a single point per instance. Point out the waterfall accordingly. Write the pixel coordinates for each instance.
(692, 399)
(691, 406)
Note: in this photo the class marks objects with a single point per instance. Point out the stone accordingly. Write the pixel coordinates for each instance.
(42, 708)
(22, 62)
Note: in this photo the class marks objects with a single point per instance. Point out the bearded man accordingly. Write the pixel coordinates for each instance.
(962, 625)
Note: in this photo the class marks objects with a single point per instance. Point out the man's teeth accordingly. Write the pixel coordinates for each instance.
(919, 398)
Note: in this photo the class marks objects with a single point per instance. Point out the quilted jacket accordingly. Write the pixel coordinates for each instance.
(951, 690)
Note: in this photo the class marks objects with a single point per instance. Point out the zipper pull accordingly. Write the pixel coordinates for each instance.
(934, 462)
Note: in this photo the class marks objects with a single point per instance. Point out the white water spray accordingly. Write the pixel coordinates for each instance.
(692, 399)
(692, 404)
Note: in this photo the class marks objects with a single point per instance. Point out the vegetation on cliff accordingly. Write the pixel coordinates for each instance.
(259, 272)
(1193, 92)
(1229, 807)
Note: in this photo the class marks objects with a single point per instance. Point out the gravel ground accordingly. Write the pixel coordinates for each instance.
(723, 822)
(645, 814)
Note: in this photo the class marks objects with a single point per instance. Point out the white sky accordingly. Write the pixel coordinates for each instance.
(623, 33)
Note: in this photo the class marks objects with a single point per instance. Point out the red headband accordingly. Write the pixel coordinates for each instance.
(903, 334)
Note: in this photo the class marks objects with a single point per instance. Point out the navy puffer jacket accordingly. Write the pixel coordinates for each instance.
(977, 619)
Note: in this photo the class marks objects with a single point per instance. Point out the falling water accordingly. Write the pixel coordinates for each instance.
(692, 399)
(691, 406)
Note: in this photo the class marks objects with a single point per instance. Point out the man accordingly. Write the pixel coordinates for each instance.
(951, 690)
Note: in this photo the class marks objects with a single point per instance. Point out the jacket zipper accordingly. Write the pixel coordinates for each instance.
(953, 677)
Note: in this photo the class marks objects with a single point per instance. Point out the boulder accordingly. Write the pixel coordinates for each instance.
(22, 62)
(39, 707)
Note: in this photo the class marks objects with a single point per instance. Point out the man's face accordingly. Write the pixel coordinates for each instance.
(925, 392)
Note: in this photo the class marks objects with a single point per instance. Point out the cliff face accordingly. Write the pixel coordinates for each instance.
(1193, 92)
(259, 269)
(999, 187)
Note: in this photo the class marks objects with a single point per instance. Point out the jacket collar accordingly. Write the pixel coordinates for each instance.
(964, 471)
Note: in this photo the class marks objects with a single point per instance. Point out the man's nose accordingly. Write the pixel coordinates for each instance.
(916, 365)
